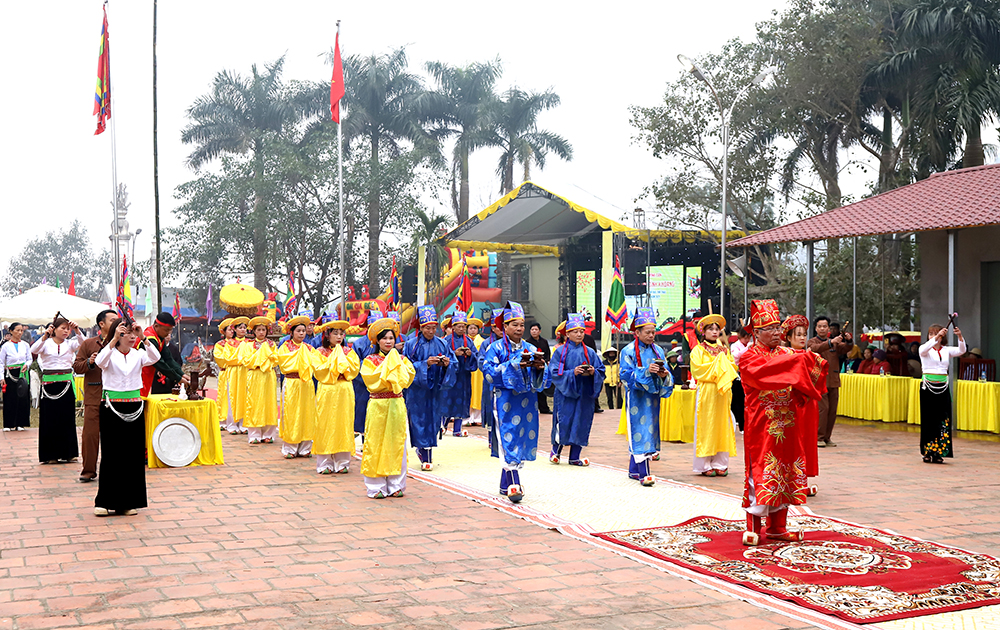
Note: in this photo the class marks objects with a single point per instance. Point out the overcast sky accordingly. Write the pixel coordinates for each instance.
(54, 169)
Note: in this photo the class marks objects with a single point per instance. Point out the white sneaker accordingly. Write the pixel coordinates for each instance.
(100, 511)
(130, 512)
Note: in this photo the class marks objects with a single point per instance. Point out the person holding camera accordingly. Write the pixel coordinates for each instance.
(436, 368)
(578, 375)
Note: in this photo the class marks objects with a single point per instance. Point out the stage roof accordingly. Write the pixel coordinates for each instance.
(950, 200)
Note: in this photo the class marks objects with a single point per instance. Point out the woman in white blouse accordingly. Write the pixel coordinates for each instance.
(15, 361)
(57, 405)
(935, 396)
(122, 479)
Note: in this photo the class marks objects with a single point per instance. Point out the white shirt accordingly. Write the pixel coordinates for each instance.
(15, 353)
(122, 372)
(55, 356)
(934, 361)
(737, 349)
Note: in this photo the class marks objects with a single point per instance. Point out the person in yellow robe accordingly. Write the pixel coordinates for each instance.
(298, 411)
(714, 371)
(222, 389)
(476, 404)
(260, 359)
(236, 358)
(336, 366)
(386, 373)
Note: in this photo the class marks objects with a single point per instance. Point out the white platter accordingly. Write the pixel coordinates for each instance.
(176, 442)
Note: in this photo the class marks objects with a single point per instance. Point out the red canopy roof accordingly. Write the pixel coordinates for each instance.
(944, 201)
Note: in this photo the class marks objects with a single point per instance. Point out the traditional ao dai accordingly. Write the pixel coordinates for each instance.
(259, 359)
(515, 401)
(336, 368)
(385, 377)
(643, 392)
(237, 357)
(298, 417)
(714, 371)
(220, 352)
(458, 399)
(425, 398)
(573, 411)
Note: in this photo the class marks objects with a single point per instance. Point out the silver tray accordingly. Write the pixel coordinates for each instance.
(176, 442)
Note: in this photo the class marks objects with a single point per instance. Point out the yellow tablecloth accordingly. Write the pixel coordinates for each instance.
(676, 417)
(884, 398)
(977, 406)
(203, 414)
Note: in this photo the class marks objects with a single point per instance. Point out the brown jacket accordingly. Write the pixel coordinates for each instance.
(832, 353)
(92, 387)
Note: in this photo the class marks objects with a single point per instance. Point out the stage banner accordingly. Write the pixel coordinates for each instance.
(692, 284)
(586, 292)
(666, 292)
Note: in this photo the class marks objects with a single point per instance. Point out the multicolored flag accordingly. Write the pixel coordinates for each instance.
(123, 301)
(290, 300)
(102, 95)
(617, 313)
(177, 307)
(149, 301)
(393, 286)
(464, 303)
(209, 306)
(337, 88)
(72, 283)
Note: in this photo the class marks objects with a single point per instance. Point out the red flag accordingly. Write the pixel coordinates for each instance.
(72, 284)
(337, 89)
(465, 295)
(102, 95)
(177, 307)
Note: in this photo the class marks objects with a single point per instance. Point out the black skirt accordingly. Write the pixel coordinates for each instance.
(935, 422)
(16, 408)
(57, 423)
(122, 478)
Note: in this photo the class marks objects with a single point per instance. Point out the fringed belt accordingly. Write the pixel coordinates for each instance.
(380, 395)
(56, 376)
(122, 397)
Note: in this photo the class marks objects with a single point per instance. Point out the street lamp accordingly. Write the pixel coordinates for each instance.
(702, 76)
(135, 237)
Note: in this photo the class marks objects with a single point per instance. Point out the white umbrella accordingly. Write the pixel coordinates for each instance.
(37, 307)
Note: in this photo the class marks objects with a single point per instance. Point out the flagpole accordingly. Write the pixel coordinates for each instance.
(114, 164)
(340, 196)
(156, 177)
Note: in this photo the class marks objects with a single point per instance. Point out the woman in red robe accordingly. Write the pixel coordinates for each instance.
(795, 331)
(778, 383)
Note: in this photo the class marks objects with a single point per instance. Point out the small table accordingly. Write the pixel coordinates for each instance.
(676, 417)
(977, 406)
(883, 398)
(203, 414)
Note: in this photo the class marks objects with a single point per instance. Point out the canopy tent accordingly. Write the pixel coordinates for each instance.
(37, 307)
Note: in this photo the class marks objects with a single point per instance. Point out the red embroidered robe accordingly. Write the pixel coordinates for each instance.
(779, 384)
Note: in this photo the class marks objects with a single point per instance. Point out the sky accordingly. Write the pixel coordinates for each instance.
(599, 63)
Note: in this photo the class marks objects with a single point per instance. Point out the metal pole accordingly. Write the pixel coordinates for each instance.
(156, 177)
(725, 181)
(854, 308)
(881, 265)
(746, 284)
(809, 282)
(952, 371)
(340, 197)
(649, 289)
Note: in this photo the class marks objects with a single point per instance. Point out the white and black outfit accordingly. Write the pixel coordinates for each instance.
(935, 400)
(57, 403)
(15, 361)
(122, 478)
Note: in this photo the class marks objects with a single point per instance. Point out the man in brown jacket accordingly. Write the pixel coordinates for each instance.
(86, 358)
(831, 350)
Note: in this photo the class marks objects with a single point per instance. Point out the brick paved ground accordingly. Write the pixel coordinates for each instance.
(266, 543)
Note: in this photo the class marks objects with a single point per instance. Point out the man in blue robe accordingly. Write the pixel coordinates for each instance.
(517, 371)
(646, 380)
(364, 348)
(577, 373)
(458, 399)
(495, 334)
(435, 367)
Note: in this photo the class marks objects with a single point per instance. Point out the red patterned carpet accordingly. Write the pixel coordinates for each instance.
(860, 574)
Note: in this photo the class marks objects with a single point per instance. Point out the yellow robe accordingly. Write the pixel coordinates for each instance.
(298, 411)
(477, 380)
(335, 401)
(236, 356)
(262, 385)
(714, 375)
(222, 393)
(385, 421)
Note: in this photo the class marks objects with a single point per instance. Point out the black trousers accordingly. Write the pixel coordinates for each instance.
(16, 409)
(613, 393)
(738, 406)
(122, 480)
(57, 424)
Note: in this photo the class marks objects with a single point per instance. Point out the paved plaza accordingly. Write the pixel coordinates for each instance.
(267, 543)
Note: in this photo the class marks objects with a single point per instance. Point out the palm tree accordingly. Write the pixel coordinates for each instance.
(513, 122)
(467, 94)
(240, 115)
(427, 233)
(386, 106)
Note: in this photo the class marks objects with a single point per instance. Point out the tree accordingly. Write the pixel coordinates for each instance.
(429, 229)
(387, 108)
(244, 116)
(513, 120)
(56, 256)
(467, 94)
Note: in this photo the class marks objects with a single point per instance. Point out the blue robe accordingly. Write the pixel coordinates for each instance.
(486, 402)
(425, 398)
(458, 399)
(364, 348)
(573, 411)
(515, 401)
(643, 392)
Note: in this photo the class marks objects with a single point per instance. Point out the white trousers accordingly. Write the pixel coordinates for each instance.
(235, 426)
(387, 485)
(302, 449)
(476, 417)
(255, 433)
(719, 461)
(335, 462)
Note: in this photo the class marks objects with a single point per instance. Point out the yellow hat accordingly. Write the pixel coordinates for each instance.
(382, 324)
(240, 320)
(260, 321)
(295, 321)
(475, 321)
(561, 329)
(708, 320)
(446, 322)
(224, 324)
(336, 323)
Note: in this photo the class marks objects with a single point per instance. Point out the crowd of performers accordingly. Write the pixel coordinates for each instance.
(316, 394)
